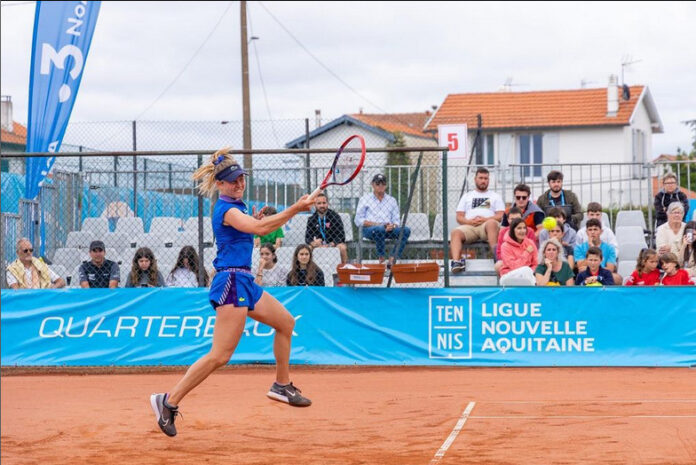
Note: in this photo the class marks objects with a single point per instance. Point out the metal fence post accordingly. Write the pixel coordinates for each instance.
(201, 269)
(307, 161)
(135, 171)
(445, 257)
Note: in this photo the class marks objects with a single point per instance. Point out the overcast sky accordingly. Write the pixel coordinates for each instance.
(395, 56)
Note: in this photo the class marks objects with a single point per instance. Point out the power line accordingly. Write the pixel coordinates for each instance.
(4, 4)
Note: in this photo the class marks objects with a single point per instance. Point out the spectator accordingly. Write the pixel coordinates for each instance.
(557, 233)
(29, 272)
(556, 196)
(594, 232)
(479, 213)
(687, 252)
(553, 270)
(304, 271)
(531, 213)
(378, 215)
(275, 237)
(144, 271)
(669, 194)
(673, 275)
(325, 228)
(669, 236)
(568, 234)
(99, 272)
(594, 274)
(513, 214)
(518, 254)
(594, 211)
(269, 272)
(646, 272)
(185, 272)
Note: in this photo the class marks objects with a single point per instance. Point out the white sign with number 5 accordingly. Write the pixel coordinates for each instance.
(454, 137)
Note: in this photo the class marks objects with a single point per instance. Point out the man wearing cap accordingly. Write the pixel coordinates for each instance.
(29, 272)
(378, 215)
(99, 272)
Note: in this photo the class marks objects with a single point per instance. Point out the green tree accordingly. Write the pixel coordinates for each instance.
(397, 171)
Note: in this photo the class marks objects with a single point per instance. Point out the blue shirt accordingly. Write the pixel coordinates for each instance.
(370, 208)
(608, 252)
(604, 276)
(233, 246)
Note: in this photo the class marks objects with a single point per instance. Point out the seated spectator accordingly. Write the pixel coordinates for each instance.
(275, 237)
(513, 214)
(594, 274)
(304, 271)
(531, 213)
(378, 215)
(666, 196)
(185, 272)
(269, 273)
(569, 234)
(325, 228)
(594, 232)
(568, 250)
(687, 252)
(29, 272)
(594, 211)
(99, 272)
(673, 275)
(556, 196)
(144, 271)
(479, 213)
(646, 272)
(669, 236)
(553, 270)
(518, 254)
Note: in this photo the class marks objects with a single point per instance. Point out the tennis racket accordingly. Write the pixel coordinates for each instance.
(346, 165)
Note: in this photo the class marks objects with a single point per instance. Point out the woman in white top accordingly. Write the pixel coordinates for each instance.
(269, 273)
(185, 272)
(668, 237)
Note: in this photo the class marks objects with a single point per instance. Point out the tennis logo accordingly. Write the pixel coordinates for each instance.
(449, 324)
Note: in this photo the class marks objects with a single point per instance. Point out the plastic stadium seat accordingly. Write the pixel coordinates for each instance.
(626, 267)
(630, 234)
(192, 225)
(61, 271)
(347, 226)
(166, 225)
(74, 277)
(119, 241)
(69, 258)
(97, 226)
(630, 218)
(605, 221)
(420, 227)
(156, 240)
(130, 225)
(295, 234)
(327, 258)
(437, 226)
(79, 239)
(629, 251)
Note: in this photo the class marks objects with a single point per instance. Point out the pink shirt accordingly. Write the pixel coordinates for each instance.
(515, 255)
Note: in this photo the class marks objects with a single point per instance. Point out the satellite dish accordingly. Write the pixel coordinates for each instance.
(626, 92)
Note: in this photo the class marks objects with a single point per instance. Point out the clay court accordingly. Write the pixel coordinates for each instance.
(360, 416)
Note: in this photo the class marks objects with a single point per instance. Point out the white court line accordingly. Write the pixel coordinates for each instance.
(552, 417)
(591, 401)
(453, 435)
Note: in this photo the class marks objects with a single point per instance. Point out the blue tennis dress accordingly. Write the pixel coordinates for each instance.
(233, 283)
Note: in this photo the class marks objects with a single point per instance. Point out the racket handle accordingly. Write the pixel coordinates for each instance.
(315, 193)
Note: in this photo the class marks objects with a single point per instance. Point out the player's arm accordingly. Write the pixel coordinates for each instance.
(267, 224)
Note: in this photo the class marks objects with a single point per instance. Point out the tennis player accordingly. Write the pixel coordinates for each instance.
(233, 292)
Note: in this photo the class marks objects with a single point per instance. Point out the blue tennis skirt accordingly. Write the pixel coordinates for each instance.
(234, 288)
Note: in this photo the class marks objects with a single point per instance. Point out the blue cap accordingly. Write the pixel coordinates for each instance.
(231, 173)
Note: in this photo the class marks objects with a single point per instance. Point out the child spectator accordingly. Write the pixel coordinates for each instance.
(594, 211)
(144, 271)
(513, 214)
(594, 233)
(185, 272)
(687, 251)
(269, 272)
(275, 237)
(673, 275)
(594, 274)
(646, 272)
(569, 234)
(304, 271)
(553, 270)
(518, 254)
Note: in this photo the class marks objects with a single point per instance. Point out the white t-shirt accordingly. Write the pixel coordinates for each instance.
(28, 278)
(182, 277)
(483, 204)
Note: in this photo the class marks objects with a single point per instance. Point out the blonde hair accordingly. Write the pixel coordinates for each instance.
(205, 174)
(551, 241)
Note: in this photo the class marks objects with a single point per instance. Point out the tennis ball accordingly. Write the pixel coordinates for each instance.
(549, 222)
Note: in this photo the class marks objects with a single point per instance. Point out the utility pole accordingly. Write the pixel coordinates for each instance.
(245, 87)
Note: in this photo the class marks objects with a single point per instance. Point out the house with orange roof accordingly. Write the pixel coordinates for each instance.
(13, 138)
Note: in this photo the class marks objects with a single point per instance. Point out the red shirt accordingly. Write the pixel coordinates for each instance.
(643, 279)
(682, 278)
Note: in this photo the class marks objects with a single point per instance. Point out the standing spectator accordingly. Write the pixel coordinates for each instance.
(99, 272)
(667, 195)
(673, 275)
(594, 274)
(29, 272)
(553, 270)
(274, 237)
(513, 214)
(479, 213)
(325, 228)
(568, 250)
(378, 215)
(646, 272)
(556, 196)
(569, 234)
(687, 252)
(185, 272)
(269, 273)
(594, 232)
(594, 211)
(144, 272)
(531, 213)
(669, 236)
(304, 271)
(518, 254)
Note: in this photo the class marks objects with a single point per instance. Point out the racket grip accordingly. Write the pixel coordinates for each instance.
(315, 193)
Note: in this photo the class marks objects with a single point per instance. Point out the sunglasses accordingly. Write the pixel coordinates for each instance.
(28, 250)
(97, 249)
(521, 197)
(381, 182)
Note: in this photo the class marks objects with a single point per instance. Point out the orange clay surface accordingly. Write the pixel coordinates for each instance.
(359, 416)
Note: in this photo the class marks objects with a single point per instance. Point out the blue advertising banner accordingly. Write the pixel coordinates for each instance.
(62, 36)
(650, 326)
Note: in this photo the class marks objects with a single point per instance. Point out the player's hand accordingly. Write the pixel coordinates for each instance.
(305, 203)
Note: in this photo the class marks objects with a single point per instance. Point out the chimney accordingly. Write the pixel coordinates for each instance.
(613, 96)
(317, 118)
(7, 113)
